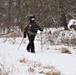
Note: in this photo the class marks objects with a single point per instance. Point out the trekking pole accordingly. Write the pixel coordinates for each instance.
(20, 44)
(26, 19)
(41, 43)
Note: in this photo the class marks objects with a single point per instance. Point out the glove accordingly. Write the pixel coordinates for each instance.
(24, 34)
(41, 30)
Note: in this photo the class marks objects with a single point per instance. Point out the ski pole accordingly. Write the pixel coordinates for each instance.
(23, 38)
(41, 43)
(20, 44)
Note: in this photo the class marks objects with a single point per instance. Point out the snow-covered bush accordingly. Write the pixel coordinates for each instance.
(67, 37)
(59, 37)
(72, 24)
(54, 35)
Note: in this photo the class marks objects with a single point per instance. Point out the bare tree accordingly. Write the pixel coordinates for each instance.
(13, 11)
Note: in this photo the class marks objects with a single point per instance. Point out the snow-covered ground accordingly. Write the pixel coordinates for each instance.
(47, 59)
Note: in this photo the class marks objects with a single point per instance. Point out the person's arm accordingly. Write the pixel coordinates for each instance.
(38, 26)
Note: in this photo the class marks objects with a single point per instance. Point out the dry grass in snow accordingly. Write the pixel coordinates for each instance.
(64, 50)
(40, 69)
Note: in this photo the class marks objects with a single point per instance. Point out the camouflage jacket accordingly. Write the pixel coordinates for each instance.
(31, 28)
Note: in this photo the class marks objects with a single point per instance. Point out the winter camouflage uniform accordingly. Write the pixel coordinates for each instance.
(31, 29)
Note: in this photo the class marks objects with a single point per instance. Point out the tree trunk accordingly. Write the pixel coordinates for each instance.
(62, 14)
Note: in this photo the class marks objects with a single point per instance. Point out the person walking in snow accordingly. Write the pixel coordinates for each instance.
(30, 30)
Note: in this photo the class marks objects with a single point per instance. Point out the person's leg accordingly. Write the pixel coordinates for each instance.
(32, 44)
(28, 47)
(29, 44)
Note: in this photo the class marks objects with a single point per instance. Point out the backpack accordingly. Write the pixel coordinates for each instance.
(30, 28)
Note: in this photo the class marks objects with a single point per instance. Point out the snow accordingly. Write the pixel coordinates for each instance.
(16, 61)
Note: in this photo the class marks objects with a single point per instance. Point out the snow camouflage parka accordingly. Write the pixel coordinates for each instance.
(31, 28)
